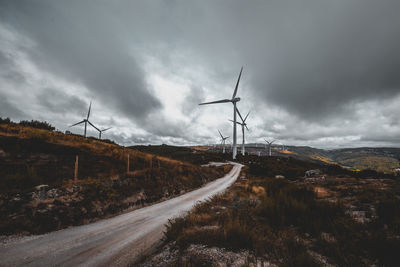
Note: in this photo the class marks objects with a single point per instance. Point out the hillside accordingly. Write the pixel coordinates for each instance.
(31, 157)
(378, 159)
(334, 218)
(191, 155)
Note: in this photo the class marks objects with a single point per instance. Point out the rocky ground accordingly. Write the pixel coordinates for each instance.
(320, 220)
(47, 209)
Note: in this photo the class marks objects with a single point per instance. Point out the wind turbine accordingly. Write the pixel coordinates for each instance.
(86, 121)
(223, 141)
(243, 124)
(269, 145)
(103, 130)
(234, 100)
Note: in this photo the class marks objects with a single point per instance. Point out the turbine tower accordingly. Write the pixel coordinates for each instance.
(269, 146)
(86, 121)
(223, 141)
(103, 130)
(243, 124)
(234, 100)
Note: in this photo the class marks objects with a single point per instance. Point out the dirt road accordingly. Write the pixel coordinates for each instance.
(116, 241)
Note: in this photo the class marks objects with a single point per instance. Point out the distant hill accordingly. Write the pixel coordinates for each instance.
(378, 159)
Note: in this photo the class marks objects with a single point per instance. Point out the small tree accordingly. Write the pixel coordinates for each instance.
(37, 124)
(5, 121)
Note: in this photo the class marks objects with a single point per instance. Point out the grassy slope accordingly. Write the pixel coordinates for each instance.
(186, 154)
(377, 159)
(30, 157)
(380, 164)
(285, 223)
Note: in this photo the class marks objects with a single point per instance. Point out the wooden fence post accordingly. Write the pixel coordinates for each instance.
(76, 168)
(127, 165)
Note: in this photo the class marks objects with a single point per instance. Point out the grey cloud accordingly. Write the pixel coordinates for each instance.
(83, 43)
(159, 125)
(190, 105)
(59, 102)
(310, 57)
(10, 110)
(316, 60)
(8, 70)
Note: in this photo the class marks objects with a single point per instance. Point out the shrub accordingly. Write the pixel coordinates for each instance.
(37, 124)
(5, 121)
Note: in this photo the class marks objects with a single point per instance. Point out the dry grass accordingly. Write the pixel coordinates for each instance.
(33, 157)
(287, 223)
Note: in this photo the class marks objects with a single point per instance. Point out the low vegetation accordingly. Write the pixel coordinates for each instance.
(297, 222)
(33, 156)
(195, 156)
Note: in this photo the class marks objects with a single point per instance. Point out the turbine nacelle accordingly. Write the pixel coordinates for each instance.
(86, 121)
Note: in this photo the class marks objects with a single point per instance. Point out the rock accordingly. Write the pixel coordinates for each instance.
(2, 154)
(42, 191)
(311, 173)
(41, 187)
(328, 237)
(279, 177)
(52, 193)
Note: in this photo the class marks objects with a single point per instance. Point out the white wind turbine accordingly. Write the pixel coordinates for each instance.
(243, 124)
(269, 146)
(86, 121)
(223, 139)
(103, 130)
(234, 100)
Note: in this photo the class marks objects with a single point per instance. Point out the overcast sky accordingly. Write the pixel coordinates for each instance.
(316, 72)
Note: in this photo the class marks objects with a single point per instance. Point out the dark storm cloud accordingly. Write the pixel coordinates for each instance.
(318, 61)
(190, 103)
(82, 43)
(57, 101)
(334, 54)
(313, 58)
(8, 69)
(9, 110)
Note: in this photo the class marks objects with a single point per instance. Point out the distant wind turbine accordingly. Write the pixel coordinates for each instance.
(103, 130)
(223, 139)
(269, 146)
(86, 121)
(234, 100)
(243, 124)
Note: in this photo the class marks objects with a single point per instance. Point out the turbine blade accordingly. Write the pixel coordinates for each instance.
(106, 129)
(220, 134)
(246, 116)
(94, 126)
(237, 84)
(240, 115)
(246, 127)
(77, 123)
(236, 122)
(216, 102)
(88, 114)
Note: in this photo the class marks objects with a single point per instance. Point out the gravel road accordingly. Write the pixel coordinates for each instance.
(117, 241)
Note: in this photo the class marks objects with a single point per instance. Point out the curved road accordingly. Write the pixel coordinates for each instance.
(116, 241)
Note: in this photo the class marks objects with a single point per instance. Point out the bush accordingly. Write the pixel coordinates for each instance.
(5, 121)
(37, 124)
